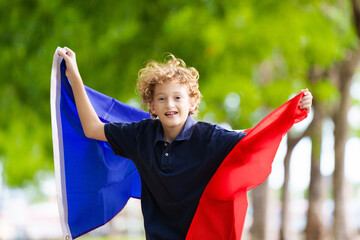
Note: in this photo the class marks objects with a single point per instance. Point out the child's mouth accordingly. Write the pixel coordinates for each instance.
(171, 114)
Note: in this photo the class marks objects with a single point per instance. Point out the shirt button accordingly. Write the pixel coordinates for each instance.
(166, 154)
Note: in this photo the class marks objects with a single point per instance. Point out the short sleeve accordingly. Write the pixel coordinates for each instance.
(223, 141)
(122, 138)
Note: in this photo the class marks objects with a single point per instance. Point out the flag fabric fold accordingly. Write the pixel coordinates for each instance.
(222, 208)
(93, 184)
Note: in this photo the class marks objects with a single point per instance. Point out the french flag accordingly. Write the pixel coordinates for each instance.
(93, 185)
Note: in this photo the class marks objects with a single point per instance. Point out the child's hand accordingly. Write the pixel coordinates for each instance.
(306, 100)
(70, 59)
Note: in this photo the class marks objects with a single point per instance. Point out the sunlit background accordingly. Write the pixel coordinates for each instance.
(251, 55)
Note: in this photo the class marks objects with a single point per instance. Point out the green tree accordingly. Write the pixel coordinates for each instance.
(251, 56)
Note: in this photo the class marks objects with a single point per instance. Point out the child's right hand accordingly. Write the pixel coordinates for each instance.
(72, 70)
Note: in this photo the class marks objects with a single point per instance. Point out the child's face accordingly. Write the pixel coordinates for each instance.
(172, 104)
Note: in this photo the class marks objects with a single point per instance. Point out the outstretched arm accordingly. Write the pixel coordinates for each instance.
(92, 126)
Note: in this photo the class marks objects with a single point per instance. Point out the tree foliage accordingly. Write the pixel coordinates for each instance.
(251, 56)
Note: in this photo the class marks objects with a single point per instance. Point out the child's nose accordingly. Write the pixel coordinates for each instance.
(170, 103)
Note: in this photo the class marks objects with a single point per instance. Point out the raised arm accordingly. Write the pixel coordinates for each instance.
(92, 126)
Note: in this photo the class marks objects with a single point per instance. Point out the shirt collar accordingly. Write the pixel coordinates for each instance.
(185, 133)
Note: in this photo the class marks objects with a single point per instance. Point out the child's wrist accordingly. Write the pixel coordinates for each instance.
(75, 77)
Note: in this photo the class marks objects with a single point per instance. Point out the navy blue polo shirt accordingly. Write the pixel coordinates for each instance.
(173, 175)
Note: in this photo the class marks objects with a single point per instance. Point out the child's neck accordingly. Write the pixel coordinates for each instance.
(171, 133)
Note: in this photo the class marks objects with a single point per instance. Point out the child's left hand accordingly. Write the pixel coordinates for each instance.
(306, 100)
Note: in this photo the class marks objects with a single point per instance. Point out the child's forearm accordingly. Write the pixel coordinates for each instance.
(92, 126)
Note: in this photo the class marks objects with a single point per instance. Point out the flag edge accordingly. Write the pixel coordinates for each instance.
(60, 181)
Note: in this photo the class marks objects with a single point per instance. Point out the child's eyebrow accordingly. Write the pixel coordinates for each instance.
(159, 93)
(165, 93)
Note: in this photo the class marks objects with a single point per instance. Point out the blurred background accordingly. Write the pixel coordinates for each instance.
(252, 56)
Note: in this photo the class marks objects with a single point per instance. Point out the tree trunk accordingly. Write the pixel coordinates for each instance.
(341, 135)
(342, 75)
(314, 227)
(260, 200)
(292, 141)
(285, 214)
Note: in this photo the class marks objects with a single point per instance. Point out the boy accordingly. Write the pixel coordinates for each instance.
(175, 156)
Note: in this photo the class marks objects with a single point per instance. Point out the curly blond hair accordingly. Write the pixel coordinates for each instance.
(174, 70)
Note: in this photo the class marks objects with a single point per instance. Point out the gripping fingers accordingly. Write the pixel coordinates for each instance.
(69, 52)
(306, 101)
(66, 53)
(71, 66)
(61, 52)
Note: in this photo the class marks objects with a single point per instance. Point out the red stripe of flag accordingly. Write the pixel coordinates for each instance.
(223, 205)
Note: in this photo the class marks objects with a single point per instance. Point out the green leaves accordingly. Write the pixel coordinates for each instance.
(325, 92)
(253, 54)
(25, 146)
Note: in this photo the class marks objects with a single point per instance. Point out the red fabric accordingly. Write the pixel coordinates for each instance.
(223, 205)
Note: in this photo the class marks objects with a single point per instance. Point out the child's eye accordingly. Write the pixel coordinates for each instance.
(178, 98)
(161, 99)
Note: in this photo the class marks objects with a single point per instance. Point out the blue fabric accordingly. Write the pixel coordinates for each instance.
(98, 183)
(174, 175)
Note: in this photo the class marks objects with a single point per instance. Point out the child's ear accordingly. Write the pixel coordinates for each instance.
(192, 104)
(152, 108)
